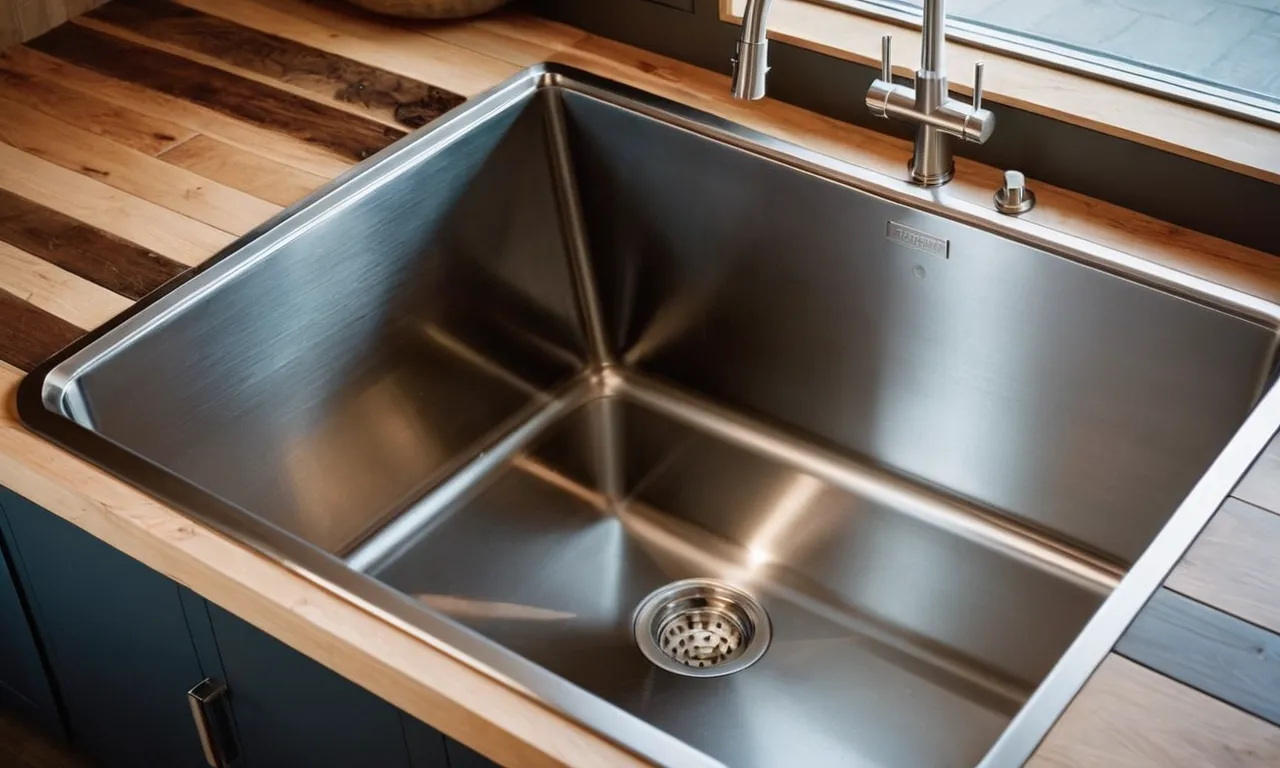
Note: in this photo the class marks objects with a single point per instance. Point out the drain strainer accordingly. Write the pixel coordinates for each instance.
(701, 628)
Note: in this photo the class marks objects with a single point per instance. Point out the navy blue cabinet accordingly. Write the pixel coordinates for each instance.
(291, 710)
(117, 640)
(24, 675)
(120, 645)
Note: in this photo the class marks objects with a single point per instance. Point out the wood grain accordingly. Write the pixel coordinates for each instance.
(1130, 717)
(56, 291)
(152, 226)
(385, 96)
(243, 170)
(23, 745)
(1234, 564)
(116, 264)
(29, 335)
(1232, 143)
(285, 149)
(1232, 660)
(232, 149)
(346, 135)
(144, 133)
(515, 38)
(395, 47)
(131, 171)
(1261, 486)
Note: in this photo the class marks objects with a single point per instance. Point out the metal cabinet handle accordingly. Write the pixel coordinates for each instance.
(213, 724)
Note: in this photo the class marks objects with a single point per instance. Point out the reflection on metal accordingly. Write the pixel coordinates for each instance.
(702, 628)
(1014, 197)
(471, 610)
(1176, 86)
(914, 238)
(751, 59)
(928, 103)
(573, 343)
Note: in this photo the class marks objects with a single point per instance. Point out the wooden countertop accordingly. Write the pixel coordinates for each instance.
(137, 141)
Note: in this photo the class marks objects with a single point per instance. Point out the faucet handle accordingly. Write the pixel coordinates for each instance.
(886, 63)
(977, 86)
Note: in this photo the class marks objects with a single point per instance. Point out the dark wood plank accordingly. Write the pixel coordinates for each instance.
(29, 335)
(347, 135)
(1261, 485)
(1214, 652)
(410, 102)
(23, 745)
(115, 264)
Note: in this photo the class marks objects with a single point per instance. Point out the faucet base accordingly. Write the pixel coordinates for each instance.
(932, 163)
(929, 180)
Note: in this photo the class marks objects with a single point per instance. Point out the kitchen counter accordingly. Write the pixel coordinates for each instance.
(137, 141)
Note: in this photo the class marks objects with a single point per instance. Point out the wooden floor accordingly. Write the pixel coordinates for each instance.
(22, 745)
(141, 138)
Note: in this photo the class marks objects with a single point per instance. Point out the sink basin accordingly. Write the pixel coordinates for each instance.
(731, 451)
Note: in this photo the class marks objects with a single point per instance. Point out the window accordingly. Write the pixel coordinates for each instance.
(1224, 54)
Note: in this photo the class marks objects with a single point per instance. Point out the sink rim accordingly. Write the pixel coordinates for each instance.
(46, 405)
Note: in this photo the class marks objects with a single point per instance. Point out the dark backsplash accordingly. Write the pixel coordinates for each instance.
(1176, 189)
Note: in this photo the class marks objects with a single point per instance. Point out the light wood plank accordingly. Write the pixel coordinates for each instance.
(517, 38)
(1130, 717)
(384, 44)
(283, 148)
(247, 171)
(141, 132)
(77, 7)
(1227, 142)
(152, 226)
(24, 19)
(1234, 566)
(131, 171)
(57, 291)
(1261, 485)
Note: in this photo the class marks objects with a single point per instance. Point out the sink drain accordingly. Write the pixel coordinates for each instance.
(701, 628)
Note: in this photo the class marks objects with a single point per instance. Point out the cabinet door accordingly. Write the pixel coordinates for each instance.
(24, 679)
(117, 640)
(292, 711)
(462, 756)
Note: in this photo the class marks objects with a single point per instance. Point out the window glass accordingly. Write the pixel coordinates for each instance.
(1225, 49)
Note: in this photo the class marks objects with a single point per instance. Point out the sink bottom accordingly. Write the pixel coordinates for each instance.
(872, 613)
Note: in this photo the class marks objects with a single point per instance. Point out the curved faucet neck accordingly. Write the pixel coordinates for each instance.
(751, 63)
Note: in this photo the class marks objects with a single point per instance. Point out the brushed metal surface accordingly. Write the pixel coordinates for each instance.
(572, 343)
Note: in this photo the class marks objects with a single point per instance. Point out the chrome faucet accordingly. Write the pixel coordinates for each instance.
(751, 63)
(928, 103)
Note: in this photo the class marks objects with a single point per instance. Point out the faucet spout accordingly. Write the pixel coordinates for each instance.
(751, 63)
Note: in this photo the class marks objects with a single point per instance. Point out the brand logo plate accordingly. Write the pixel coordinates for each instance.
(920, 241)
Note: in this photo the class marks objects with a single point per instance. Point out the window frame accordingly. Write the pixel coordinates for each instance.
(1147, 116)
(1144, 78)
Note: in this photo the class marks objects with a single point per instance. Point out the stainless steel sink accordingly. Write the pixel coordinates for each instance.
(573, 345)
